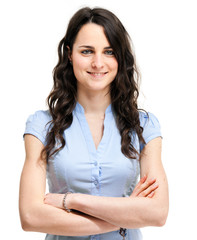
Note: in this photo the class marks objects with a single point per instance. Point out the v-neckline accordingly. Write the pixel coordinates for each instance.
(87, 132)
(96, 139)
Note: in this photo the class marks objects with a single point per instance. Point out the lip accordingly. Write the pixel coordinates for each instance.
(97, 74)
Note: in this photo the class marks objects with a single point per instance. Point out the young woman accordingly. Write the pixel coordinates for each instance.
(93, 142)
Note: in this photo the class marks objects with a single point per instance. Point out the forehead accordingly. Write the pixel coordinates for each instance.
(91, 34)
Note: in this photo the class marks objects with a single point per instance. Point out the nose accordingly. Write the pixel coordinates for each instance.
(97, 61)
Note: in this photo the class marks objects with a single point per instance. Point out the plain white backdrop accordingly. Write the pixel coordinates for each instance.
(165, 38)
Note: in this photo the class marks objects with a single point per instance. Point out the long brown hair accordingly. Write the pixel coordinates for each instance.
(124, 89)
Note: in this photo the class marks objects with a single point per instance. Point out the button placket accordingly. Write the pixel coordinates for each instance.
(95, 174)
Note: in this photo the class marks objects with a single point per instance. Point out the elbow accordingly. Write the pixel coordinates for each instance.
(25, 226)
(30, 216)
(161, 222)
(26, 222)
(161, 219)
(29, 221)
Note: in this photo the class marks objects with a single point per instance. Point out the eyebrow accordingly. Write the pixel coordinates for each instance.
(90, 47)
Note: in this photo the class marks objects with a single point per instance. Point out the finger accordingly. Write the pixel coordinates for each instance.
(151, 194)
(45, 200)
(143, 186)
(148, 190)
(47, 197)
(143, 179)
(148, 183)
(137, 190)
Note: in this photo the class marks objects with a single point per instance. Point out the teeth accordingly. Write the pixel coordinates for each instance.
(97, 73)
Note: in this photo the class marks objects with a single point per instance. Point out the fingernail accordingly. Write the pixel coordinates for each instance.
(153, 179)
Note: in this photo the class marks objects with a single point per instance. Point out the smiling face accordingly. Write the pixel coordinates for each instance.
(94, 63)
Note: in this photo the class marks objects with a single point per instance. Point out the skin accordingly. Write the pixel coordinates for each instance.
(144, 188)
(94, 64)
(95, 67)
(150, 210)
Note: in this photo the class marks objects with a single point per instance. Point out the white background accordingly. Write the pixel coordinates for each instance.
(165, 40)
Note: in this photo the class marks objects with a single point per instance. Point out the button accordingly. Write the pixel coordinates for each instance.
(100, 169)
(95, 163)
(95, 182)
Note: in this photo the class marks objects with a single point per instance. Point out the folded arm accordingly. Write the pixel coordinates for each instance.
(131, 212)
(102, 214)
(39, 217)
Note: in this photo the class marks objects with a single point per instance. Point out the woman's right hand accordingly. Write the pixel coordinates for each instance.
(145, 188)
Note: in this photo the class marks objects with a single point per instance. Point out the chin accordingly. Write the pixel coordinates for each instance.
(98, 87)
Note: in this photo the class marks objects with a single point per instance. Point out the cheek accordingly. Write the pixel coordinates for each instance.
(79, 63)
(78, 67)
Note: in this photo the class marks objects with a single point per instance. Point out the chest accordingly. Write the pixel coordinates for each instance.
(96, 127)
(80, 167)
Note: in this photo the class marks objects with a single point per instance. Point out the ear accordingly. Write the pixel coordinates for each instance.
(69, 54)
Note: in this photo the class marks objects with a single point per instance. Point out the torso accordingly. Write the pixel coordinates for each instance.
(80, 167)
(92, 163)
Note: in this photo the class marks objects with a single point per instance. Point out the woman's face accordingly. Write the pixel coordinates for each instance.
(94, 63)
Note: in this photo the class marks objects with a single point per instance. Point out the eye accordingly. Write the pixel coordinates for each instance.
(109, 52)
(87, 51)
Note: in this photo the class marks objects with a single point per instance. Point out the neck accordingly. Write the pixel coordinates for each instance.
(94, 103)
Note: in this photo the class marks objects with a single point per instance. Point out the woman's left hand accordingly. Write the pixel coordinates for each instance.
(54, 199)
(145, 188)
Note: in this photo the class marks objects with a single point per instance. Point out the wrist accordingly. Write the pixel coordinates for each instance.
(66, 201)
(71, 200)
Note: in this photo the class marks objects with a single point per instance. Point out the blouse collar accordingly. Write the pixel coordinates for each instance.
(79, 108)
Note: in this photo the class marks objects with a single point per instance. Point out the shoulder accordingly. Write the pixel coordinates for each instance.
(148, 118)
(151, 126)
(37, 124)
(40, 116)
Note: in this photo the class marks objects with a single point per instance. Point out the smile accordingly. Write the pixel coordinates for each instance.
(97, 74)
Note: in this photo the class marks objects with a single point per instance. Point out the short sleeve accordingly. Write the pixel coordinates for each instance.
(37, 125)
(151, 127)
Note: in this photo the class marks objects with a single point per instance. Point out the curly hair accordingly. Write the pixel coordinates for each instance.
(123, 90)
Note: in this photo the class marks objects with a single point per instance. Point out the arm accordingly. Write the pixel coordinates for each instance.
(40, 217)
(131, 212)
(142, 189)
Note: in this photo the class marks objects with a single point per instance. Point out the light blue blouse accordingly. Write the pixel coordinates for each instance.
(80, 167)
